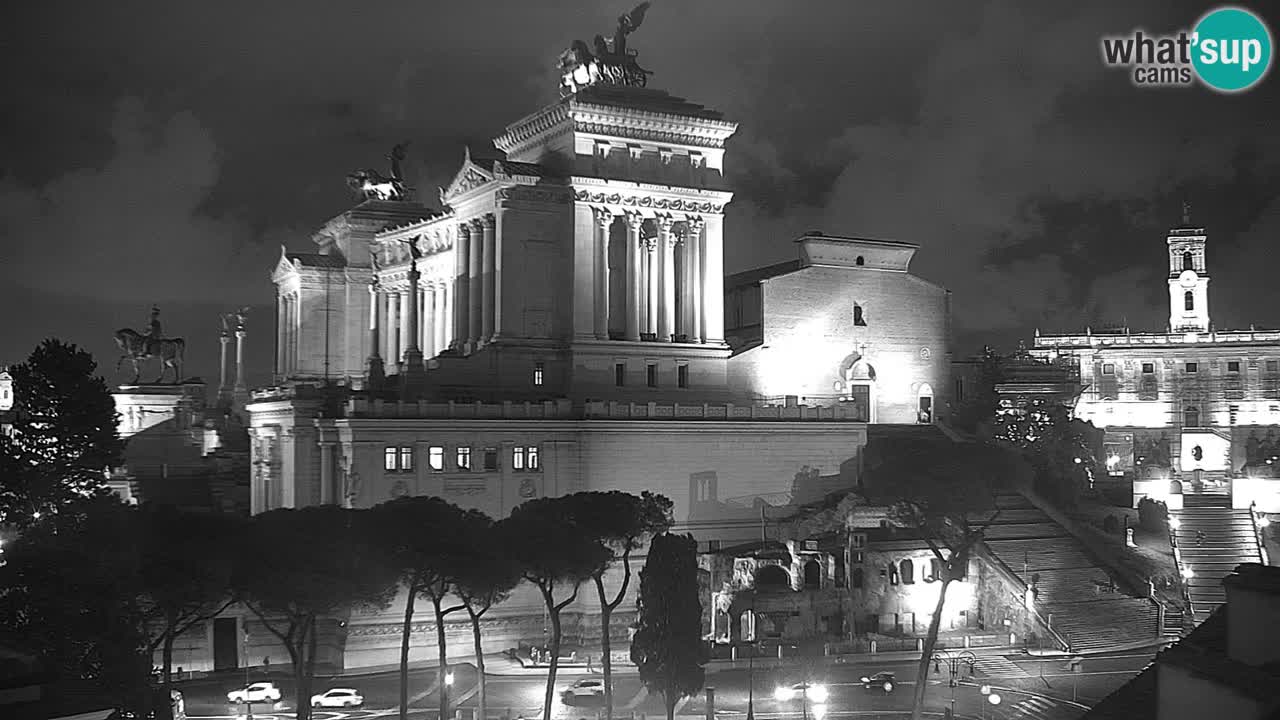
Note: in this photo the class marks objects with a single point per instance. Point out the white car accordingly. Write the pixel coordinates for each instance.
(584, 688)
(812, 692)
(338, 697)
(257, 692)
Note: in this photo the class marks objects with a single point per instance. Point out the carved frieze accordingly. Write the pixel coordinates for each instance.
(647, 201)
(529, 194)
(666, 137)
(464, 487)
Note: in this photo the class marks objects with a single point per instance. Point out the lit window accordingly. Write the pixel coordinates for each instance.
(406, 459)
(517, 458)
(620, 374)
(389, 459)
(651, 375)
(682, 376)
(435, 458)
(1193, 367)
(856, 558)
(490, 458)
(464, 458)
(1108, 369)
(537, 373)
(1233, 366)
(1148, 368)
(532, 459)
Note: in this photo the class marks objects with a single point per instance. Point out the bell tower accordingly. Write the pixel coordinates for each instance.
(1188, 277)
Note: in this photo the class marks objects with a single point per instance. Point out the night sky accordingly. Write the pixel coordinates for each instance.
(161, 152)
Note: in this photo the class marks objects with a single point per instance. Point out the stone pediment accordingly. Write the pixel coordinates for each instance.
(284, 266)
(469, 177)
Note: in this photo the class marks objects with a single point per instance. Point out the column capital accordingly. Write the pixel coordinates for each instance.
(649, 243)
(634, 221)
(604, 218)
(665, 222)
(695, 223)
(464, 227)
(488, 221)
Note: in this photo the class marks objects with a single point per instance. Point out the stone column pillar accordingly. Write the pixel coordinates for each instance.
(240, 386)
(653, 273)
(667, 298)
(488, 296)
(328, 495)
(713, 276)
(684, 323)
(475, 309)
(393, 327)
(407, 302)
(223, 339)
(634, 295)
(461, 286)
(697, 333)
(445, 332)
(412, 370)
(376, 373)
(604, 221)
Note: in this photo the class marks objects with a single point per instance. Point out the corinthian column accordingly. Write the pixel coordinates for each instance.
(698, 332)
(375, 371)
(461, 287)
(667, 297)
(445, 333)
(604, 220)
(407, 301)
(634, 296)
(475, 285)
(652, 272)
(393, 315)
(487, 305)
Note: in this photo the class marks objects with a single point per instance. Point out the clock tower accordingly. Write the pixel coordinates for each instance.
(1188, 278)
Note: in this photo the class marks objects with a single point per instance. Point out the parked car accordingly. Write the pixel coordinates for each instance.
(338, 697)
(813, 692)
(256, 692)
(882, 681)
(585, 688)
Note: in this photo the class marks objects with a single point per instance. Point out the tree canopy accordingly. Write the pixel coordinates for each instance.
(667, 647)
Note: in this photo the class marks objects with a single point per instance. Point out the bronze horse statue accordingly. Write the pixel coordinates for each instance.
(135, 346)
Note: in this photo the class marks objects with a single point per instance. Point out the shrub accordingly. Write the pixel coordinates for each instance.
(1153, 515)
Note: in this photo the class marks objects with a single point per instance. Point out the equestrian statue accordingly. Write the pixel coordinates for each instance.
(370, 184)
(135, 346)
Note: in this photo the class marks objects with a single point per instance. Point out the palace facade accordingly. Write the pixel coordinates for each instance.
(1194, 404)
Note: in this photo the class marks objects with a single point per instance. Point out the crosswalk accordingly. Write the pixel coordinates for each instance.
(998, 666)
(1036, 708)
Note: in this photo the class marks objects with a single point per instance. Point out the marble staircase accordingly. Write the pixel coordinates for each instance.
(1212, 540)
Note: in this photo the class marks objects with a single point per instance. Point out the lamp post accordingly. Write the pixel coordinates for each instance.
(445, 691)
(248, 701)
(989, 697)
(954, 663)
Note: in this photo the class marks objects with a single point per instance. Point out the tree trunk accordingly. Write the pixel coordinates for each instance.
(931, 639)
(167, 655)
(407, 630)
(669, 698)
(298, 656)
(482, 710)
(443, 653)
(554, 615)
(606, 661)
(310, 674)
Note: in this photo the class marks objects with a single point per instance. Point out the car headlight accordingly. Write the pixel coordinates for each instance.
(818, 693)
(866, 680)
(781, 694)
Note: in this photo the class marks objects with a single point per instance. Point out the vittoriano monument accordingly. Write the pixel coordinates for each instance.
(135, 346)
(372, 185)
(610, 63)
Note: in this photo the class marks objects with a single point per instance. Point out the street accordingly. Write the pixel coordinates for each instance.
(1030, 688)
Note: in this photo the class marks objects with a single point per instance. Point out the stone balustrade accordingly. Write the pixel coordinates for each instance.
(358, 407)
(613, 410)
(563, 409)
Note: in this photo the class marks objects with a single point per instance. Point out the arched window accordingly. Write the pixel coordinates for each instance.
(859, 261)
(1188, 301)
(857, 578)
(908, 570)
(1188, 261)
(812, 575)
(772, 577)
(1191, 417)
(858, 319)
(935, 570)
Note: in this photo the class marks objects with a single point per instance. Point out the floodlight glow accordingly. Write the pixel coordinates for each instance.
(994, 698)
(782, 694)
(1188, 573)
(448, 678)
(818, 711)
(817, 693)
(1175, 523)
(1264, 521)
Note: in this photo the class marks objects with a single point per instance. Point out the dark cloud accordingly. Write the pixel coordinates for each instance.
(176, 146)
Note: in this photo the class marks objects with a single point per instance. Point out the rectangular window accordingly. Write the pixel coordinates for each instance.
(682, 376)
(406, 459)
(1193, 367)
(1108, 369)
(435, 458)
(1233, 366)
(858, 540)
(651, 375)
(1273, 366)
(1148, 368)
(463, 458)
(532, 459)
(620, 374)
(389, 457)
(537, 373)
(856, 557)
(490, 458)
(517, 458)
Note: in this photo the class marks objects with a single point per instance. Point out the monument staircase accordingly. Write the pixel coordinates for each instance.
(1228, 539)
(1073, 591)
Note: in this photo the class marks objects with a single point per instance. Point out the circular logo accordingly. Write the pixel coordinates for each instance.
(1231, 49)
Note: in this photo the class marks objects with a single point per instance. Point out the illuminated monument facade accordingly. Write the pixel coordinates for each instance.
(559, 326)
(1190, 407)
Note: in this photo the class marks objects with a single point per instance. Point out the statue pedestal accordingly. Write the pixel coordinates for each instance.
(413, 375)
(147, 405)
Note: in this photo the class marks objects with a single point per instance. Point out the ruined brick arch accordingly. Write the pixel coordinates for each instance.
(813, 574)
(772, 577)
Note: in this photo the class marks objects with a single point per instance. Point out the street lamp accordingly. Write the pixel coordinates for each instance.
(248, 700)
(992, 697)
(954, 663)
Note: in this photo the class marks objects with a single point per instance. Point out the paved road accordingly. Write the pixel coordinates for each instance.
(1030, 689)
